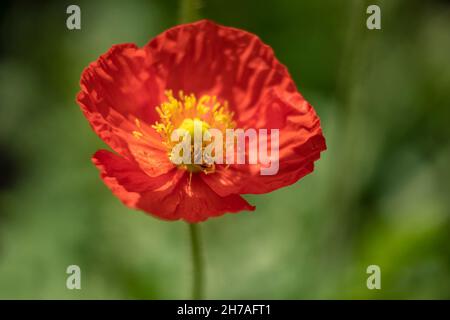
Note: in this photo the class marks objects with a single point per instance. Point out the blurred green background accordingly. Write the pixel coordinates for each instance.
(379, 195)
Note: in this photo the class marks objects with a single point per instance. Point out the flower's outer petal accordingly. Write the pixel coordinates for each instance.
(300, 143)
(127, 180)
(118, 96)
(206, 58)
(234, 65)
(192, 201)
(170, 196)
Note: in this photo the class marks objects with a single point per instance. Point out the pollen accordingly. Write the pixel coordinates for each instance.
(187, 112)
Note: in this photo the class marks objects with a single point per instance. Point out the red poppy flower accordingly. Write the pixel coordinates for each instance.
(230, 79)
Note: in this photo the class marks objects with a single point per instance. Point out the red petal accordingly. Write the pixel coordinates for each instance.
(169, 196)
(298, 151)
(127, 180)
(235, 65)
(117, 91)
(193, 202)
(206, 58)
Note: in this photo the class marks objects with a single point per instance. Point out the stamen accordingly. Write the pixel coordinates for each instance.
(137, 134)
(186, 111)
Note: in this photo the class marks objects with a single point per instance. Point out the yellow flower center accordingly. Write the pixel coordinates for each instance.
(186, 113)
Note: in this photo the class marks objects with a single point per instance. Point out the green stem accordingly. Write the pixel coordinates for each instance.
(197, 262)
(189, 10)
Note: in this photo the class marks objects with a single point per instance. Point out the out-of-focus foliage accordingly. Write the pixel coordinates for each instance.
(379, 195)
